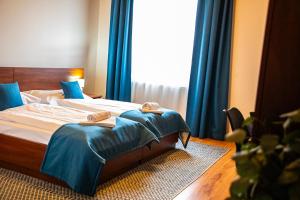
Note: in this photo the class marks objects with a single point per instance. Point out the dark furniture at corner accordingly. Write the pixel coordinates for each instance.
(236, 120)
(279, 80)
(235, 117)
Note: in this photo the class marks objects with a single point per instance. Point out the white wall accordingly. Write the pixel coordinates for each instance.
(43, 33)
(248, 37)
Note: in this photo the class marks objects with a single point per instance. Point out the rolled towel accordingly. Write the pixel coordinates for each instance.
(107, 123)
(150, 106)
(152, 111)
(96, 117)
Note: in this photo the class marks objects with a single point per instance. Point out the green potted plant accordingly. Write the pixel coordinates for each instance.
(268, 167)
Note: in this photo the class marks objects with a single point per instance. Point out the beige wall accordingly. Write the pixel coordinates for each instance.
(96, 65)
(248, 36)
(91, 61)
(43, 33)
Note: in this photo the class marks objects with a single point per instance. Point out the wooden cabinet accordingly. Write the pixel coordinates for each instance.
(279, 81)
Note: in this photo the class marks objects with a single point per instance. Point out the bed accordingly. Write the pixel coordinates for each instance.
(26, 156)
(161, 125)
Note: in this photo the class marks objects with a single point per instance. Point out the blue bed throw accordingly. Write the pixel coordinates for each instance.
(76, 154)
(161, 125)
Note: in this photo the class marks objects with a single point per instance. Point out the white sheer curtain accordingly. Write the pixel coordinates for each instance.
(162, 44)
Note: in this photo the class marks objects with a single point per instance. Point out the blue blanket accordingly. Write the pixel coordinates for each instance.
(161, 125)
(76, 154)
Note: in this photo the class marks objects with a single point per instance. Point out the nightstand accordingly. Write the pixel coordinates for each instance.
(95, 96)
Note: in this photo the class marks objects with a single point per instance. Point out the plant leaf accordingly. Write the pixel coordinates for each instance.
(294, 115)
(292, 136)
(239, 188)
(293, 165)
(248, 169)
(287, 123)
(240, 156)
(288, 177)
(268, 142)
(237, 136)
(248, 121)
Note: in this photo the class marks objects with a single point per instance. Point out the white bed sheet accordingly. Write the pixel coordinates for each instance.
(37, 122)
(25, 132)
(97, 105)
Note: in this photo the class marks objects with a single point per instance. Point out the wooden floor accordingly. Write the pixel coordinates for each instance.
(215, 182)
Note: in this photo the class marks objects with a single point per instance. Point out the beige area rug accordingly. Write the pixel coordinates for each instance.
(161, 178)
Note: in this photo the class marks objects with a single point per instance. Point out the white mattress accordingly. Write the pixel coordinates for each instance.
(37, 122)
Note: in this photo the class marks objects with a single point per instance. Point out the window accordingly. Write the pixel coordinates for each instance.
(162, 41)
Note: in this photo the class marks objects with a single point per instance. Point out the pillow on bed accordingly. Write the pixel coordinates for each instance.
(71, 90)
(49, 96)
(28, 98)
(46, 96)
(10, 96)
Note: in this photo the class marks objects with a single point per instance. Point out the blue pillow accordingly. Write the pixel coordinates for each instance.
(10, 96)
(71, 90)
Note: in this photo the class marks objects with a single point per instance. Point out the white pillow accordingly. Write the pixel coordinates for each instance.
(86, 97)
(28, 98)
(50, 96)
(47, 96)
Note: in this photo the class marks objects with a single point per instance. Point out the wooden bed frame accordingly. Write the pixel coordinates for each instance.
(26, 156)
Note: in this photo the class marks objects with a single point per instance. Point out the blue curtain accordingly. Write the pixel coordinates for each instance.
(118, 85)
(208, 88)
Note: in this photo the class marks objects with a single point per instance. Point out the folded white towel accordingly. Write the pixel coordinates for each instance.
(96, 117)
(107, 123)
(150, 106)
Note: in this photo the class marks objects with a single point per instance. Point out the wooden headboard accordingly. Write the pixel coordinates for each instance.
(37, 78)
